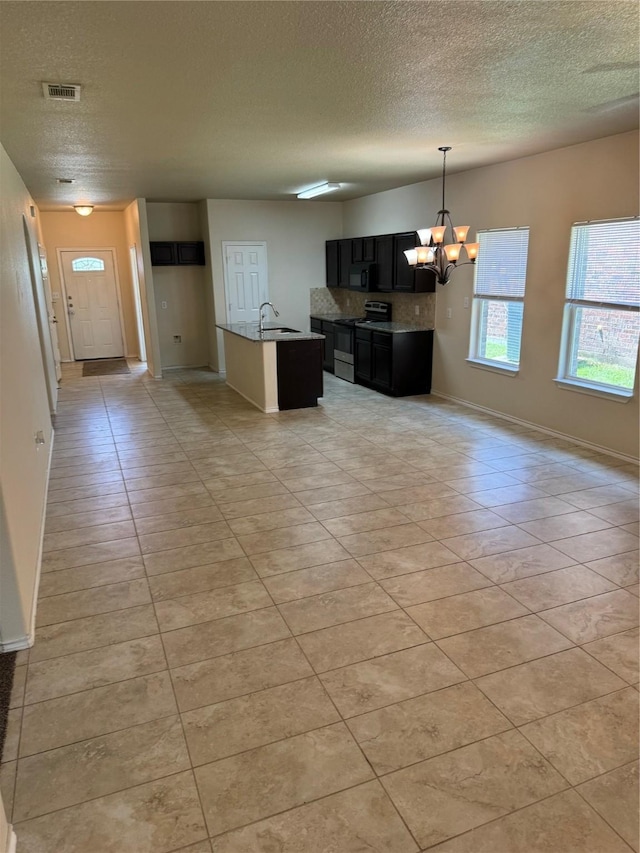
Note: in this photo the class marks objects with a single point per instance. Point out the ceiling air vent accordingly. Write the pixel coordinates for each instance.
(61, 91)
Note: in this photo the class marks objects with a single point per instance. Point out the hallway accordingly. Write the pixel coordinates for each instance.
(378, 625)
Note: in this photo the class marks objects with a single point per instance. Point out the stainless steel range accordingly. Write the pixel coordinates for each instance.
(344, 337)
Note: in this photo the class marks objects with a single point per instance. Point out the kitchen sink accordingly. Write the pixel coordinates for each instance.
(285, 331)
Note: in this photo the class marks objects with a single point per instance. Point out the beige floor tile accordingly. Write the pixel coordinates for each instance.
(298, 557)
(447, 526)
(592, 546)
(435, 507)
(80, 481)
(332, 608)
(77, 520)
(86, 577)
(621, 568)
(429, 725)
(561, 823)
(200, 847)
(157, 817)
(76, 508)
(364, 522)
(624, 512)
(465, 485)
(201, 578)
(558, 587)
(522, 563)
(500, 646)
(90, 602)
(272, 540)
(93, 768)
(593, 618)
(453, 793)
(347, 506)
(431, 584)
(366, 686)
(94, 668)
(319, 579)
(615, 797)
(174, 521)
(68, 539)
(360, 819)
(384, 539)
(82, 494)
(563, 526)
(618, 652)
(227, 728)
(238, 673)
(257, 506)
(211, 604)
(599, 496)
(159, 481)
(92, 632)
(252, 524)
(545, 686)
(588, 740)
(532, 510)
(239, 790)
(192, 555)
(16, 699)
(86, 554)
(166, 493)
(506, 495)
(360, 640)
(197, 534)
(400, 561)
(13, 735)
(80, 716)
(323, 494)
(233, 633)
(458, 613)
(171, 506)
(483, 543)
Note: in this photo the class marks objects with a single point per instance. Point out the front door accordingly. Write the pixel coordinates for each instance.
(246, 282)
(92, 304)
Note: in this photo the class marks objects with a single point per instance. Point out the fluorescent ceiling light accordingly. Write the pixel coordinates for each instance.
(319, 190)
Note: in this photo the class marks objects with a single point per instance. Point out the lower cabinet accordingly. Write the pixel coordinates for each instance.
(324, 327)
(299, 373)
(397, 364)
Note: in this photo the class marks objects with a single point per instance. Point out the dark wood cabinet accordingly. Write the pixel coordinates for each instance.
(299, 373)
(384, 260)
(369, 249)
(344, 262)
(403, 278)
(332, 258)
(168, 254)
(397, 364)
(357, 250)
(326, 328)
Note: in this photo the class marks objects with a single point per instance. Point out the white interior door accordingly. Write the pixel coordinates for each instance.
(246, 280)
(51, 310)
(92, 304)
(133, 260)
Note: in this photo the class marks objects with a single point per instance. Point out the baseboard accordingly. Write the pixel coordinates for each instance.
(563, 435)
(18, 645)
(269, 411)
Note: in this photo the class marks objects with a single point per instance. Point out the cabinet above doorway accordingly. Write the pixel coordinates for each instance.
(169, 254)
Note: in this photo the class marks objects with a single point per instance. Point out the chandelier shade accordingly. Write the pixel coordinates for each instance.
(434, 254)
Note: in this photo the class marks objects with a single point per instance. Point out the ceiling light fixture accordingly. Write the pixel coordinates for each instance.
(83, 209)
(319, 190)
(433, 253)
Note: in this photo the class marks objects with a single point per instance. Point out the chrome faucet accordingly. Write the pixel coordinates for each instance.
(264, 304)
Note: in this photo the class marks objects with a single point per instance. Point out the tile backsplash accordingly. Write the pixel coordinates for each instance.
(325, 300)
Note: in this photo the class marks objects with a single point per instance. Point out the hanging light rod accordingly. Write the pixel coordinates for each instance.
(433, 253)
(321, 189)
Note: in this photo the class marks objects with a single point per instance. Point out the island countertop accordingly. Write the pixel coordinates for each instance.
(251, 331)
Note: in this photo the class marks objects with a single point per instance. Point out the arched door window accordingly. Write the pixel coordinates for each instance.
(87, 265)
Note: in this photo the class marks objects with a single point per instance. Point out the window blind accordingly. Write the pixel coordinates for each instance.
(501, 268)
(604, 262)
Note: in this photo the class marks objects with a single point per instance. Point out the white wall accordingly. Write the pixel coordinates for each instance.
(181, 288)
(547, 192)
(24, 465)
(295, 233)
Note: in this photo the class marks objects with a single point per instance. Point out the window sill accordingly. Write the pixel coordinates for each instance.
(494, 367)
(618, 396)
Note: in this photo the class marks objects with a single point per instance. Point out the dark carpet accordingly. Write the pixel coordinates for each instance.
(7, 668)
(105, 367)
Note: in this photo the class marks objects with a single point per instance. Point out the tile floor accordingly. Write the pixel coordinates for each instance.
(378, 625)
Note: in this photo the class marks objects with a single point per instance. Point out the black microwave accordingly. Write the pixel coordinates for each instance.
(363, 277)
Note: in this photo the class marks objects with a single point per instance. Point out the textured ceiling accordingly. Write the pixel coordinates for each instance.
(189, 100)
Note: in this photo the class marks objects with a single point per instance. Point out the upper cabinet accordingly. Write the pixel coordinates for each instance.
(167, 254)
(394, 274)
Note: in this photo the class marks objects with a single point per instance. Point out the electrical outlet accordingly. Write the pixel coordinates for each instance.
(466, 302)
(177, 339)
(417, 310)
(163, 304)
(55, 297)
(449, 315)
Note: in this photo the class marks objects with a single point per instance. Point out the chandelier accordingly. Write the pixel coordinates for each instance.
(433, 253)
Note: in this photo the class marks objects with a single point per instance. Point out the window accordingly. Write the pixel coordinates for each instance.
(498, 298)
(87, 265)
(601, 316)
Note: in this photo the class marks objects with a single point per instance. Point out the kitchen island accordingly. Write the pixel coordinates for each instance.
(276, 369)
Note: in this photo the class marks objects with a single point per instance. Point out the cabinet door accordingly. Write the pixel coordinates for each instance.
(363, 358)
(163, 254)
(329, 345)
(356, 250)
(344, 262)
(404, 273)
(369, 249)
(384, 259)
(331, 250)
(190, 253)
(381, 360)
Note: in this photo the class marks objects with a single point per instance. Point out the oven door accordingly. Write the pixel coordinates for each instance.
(343, 352)
(343, 339)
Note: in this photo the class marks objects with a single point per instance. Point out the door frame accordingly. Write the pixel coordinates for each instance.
(63, 287)
(225, 245)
